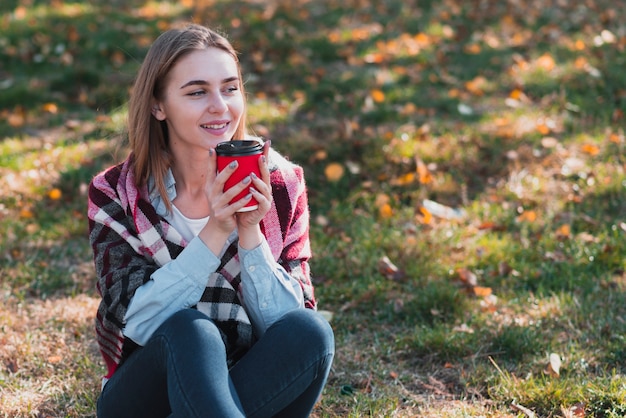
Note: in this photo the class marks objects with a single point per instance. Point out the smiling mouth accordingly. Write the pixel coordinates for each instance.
(215, 126)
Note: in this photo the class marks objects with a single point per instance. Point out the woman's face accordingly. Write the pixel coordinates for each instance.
(202, 103)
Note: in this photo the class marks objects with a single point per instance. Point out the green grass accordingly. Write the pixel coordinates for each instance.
(514, 114)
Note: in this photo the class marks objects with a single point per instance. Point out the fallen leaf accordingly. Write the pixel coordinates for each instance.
(50, 108)
(334, 172)
(423, 173)
(575, 411)
(385, 211)
(378, 95)
(54, 359)
(527, 216)
(564, 231)
(55, 194)
(426, 217)
(523, 410)
(591, 149)
(481, 291)
(546, 62)
(389, 270)
(467, 277)
(554, 365)
(393, 375)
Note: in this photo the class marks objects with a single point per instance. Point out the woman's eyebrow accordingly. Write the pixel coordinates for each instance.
(206, 83)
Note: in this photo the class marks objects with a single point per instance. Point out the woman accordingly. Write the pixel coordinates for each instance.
(204, 308)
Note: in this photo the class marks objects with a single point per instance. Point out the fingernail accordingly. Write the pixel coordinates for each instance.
(233, 164)
(211, 152)
(246, 180)
(263, 158)
(253, 175)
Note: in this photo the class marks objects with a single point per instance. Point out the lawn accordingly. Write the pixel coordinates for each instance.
(466, 164)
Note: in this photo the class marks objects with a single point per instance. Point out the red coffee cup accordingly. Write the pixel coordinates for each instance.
(247, 154)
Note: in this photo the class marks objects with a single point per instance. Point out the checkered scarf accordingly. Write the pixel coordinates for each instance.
(130, 241)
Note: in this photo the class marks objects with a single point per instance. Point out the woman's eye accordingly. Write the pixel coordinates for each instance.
(196, 93)
(232, 89)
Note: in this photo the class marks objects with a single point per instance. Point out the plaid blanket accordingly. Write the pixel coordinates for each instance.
(130, 241)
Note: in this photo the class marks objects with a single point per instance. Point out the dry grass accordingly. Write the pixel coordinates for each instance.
(48, 355)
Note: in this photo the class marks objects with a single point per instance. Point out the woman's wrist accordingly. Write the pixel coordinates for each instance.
(213, 237)
(250, 237)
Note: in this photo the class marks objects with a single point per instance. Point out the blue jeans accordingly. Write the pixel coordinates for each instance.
(182, 371)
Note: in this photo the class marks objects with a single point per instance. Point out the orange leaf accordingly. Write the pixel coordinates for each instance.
(54, 194)
(378, 95)
(334, 172)
(26, 213)
(564, 231)
(546, 62)
(403, 180)
(50, 108)
(467, 276)
(591, 149)
(54, 359)
(515, 94)
(423, 173)
(527, 216)
(472, 49)
(427, 217)
(579, 45)
(543, 129)
(482, 291)
(385, 211)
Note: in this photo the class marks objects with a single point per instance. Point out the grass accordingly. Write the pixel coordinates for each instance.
(510, 117)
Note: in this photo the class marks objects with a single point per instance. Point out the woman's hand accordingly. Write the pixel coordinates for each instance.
(250, 234)
(222, 220)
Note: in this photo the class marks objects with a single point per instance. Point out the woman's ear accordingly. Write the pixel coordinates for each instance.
(157, 112)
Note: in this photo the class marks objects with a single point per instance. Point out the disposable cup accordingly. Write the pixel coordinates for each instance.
(247, 154)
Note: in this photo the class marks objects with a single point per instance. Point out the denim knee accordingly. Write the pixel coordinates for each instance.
(188, 325)
(309, 326)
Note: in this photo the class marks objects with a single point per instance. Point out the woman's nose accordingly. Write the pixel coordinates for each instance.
(217, 104)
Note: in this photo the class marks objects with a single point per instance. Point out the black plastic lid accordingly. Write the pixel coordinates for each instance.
(238, 147)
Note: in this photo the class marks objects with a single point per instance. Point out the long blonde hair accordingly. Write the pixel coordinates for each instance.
(148, 137)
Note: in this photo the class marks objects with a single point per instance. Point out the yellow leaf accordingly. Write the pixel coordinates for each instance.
(334, 172)
(54, 194)
(378, 95)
